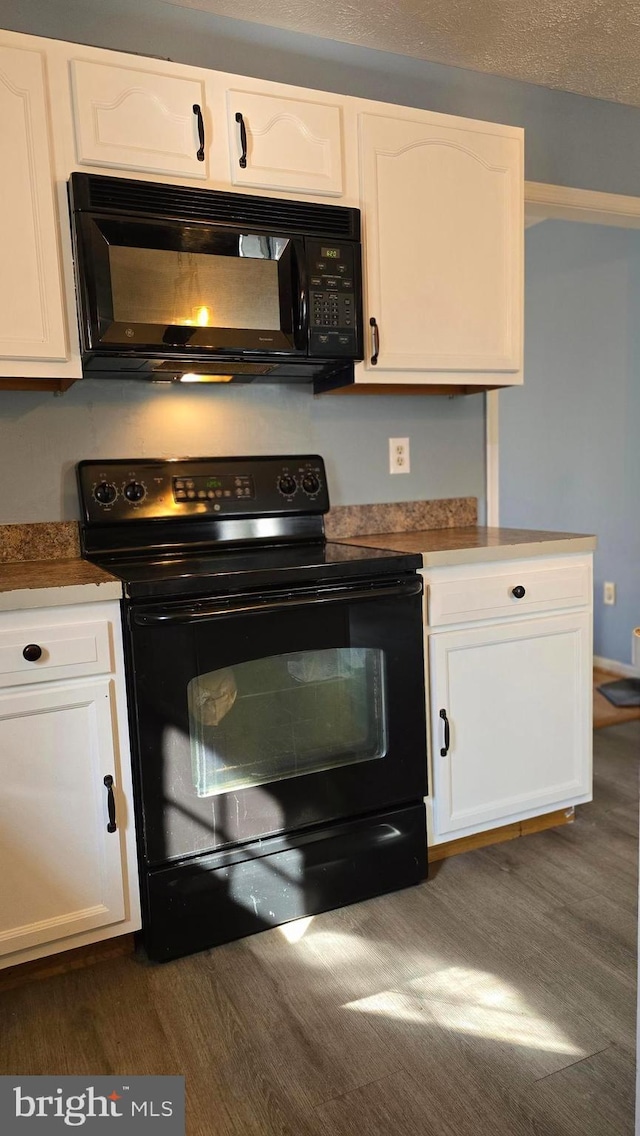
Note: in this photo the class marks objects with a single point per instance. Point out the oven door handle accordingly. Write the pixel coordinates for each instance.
(193, 613)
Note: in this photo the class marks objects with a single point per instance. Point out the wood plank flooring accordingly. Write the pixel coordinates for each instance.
(495, 999)
(604, 712)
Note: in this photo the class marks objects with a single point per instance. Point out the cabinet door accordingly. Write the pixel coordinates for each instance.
(32, 316)
(518, 702)
(61, 869)
(290, 144)
(442, 200)
(138, 120)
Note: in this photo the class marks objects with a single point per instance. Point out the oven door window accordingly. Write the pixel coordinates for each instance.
(279, 717)
(180, 285)
(271, 717)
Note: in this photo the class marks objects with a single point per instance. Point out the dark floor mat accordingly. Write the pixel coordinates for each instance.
(624, 692)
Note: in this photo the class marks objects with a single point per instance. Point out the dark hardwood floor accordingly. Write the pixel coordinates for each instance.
(497, 998)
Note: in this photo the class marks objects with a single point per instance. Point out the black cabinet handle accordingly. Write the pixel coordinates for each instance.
(518, 591)
(198, 113)
(242, 161)
(32, 652)
(375, 341)
(444, 751)
(111, 803)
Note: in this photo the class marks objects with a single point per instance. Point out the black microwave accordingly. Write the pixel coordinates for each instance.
(196, 285)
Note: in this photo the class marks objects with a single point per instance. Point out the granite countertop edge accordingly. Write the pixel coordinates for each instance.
(53, 583)
(478, 544)
(42, 583)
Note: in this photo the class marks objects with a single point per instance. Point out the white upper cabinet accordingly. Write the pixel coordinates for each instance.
(32, 313)
(280, 143)
(129, 119)
(442, 202)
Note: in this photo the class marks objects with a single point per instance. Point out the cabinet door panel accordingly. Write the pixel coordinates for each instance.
(291, 144)
(61, 869)
(517, 697)
(136, 120)
(32, 317)
(443, 240)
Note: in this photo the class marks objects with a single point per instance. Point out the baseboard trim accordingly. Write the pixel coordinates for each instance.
(500, 835)
(62, 963)
(624, 669)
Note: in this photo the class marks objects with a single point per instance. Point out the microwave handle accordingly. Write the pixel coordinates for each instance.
(299, 290)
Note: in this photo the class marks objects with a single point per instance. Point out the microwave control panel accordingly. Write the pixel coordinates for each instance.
(333, 274)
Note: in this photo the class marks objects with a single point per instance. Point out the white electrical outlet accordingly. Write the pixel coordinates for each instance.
(608, 592)
(399, 457)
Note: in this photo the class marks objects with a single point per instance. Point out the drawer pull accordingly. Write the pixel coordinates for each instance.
(444, 751)
(111, 803)
(518, 592)
(197, 110)
(32, 652)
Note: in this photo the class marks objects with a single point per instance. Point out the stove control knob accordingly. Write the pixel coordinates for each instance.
(287, 485)
(311, 483)
(134, 491)
(105, 493)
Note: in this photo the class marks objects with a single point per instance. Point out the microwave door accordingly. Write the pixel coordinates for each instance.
(174, 287)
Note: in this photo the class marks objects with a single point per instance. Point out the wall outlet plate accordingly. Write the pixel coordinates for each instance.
(399, 456)
(608, 592)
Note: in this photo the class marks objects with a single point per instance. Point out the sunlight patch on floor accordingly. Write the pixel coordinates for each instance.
(295, 931)
(471, 1002)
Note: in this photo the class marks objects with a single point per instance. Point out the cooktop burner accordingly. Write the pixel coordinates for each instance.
(170, 528)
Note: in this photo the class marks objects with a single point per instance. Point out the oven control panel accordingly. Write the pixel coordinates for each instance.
(180, 488)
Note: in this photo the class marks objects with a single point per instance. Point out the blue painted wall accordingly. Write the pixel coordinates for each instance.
(570, 438)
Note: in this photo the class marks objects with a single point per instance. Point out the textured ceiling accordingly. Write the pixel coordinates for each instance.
(591, 47)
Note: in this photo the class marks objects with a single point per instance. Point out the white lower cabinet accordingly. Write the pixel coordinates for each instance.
(68, 875)
(510, 705)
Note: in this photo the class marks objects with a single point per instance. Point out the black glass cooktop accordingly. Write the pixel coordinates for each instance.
(210, 572)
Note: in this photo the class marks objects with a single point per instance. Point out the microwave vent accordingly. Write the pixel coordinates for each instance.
(120, 195)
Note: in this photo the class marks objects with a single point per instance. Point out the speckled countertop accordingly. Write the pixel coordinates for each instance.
(475, 544)
(41, 566)
(51, 574)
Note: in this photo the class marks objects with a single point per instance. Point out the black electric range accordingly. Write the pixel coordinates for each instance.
(276, 694)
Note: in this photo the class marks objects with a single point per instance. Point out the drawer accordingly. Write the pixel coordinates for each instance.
(489, 597)
(69, 650)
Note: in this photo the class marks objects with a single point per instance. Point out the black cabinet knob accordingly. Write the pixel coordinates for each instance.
(518, 592)
(32, 652)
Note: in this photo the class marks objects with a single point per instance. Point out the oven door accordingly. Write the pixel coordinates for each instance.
(178, 288)
(269, 713)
